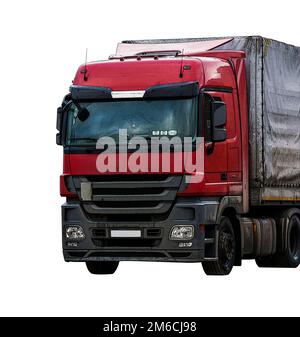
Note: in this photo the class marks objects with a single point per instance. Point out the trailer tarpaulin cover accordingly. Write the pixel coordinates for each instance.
(273, 73)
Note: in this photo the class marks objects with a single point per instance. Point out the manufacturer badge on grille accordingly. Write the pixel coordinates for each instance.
(185, 244)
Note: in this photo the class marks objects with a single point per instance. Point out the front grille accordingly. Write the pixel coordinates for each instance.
(126, 191)
(132, 218)
(126, 204)
(127, 197)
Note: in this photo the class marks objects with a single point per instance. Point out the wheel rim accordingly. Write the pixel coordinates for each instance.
(226, 249)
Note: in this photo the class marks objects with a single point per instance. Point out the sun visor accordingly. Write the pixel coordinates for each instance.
(181, 89)
(89, 93)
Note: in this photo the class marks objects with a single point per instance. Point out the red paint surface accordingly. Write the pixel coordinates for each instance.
(86, 164)
(132, 74)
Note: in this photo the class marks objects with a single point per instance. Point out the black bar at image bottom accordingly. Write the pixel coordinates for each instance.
(144, 326)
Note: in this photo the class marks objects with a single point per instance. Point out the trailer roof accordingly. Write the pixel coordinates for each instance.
(186, 46)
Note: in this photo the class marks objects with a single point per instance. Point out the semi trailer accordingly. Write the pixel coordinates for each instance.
(237, 100)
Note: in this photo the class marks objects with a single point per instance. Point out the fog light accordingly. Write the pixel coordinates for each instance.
(75, 233)
(182, 233)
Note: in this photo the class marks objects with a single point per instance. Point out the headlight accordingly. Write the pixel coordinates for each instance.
(182, 233)
(75, 233)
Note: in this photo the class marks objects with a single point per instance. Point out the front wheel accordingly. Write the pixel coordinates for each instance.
(102, 267)
(226, 251)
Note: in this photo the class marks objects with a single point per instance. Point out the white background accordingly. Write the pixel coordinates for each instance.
(42, 44)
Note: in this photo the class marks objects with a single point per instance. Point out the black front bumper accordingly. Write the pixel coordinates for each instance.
(154, 243)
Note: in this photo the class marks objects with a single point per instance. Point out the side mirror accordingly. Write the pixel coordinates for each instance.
(59, 117)
(58, 139)
(60, 120)
(219, 117)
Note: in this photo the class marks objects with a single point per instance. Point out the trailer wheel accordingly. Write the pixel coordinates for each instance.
(290, 258)
(102, 267)
(226, 251)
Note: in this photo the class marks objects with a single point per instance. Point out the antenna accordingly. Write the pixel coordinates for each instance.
(84, 71)
(181, 64)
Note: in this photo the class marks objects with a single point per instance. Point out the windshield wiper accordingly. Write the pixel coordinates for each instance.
(85, 138)
(146, 136)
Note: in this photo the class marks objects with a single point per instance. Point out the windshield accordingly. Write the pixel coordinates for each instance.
(147, 118)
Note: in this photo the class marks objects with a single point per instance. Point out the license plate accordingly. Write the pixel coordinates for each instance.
(118, 233)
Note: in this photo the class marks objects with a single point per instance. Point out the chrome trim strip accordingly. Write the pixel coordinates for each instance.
(125, 233)
(128, 94)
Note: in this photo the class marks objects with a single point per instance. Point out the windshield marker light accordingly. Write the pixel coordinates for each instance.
(75, 233)
(181, 232)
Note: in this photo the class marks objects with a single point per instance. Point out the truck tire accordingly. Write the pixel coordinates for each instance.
(226, 250)
(290, 258)
(266, 261)
(102, 267)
